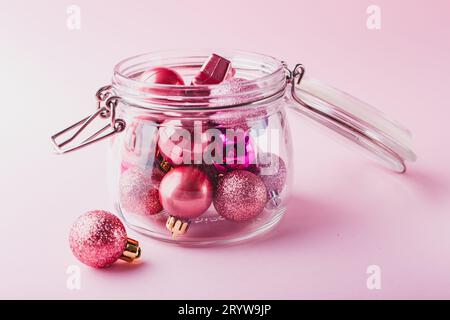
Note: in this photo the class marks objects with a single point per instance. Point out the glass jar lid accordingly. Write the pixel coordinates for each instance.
(353, 119)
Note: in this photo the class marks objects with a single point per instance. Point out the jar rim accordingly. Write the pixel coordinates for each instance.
(261, 77)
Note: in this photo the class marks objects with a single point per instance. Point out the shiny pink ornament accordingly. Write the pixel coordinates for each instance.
(178, 145)
(186, 192)
(138, 191)
(240, 196)
(162, 75)
(139, 145)
(239, 153)
(98, 238)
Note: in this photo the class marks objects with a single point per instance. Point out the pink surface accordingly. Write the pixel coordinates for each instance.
(346, 213)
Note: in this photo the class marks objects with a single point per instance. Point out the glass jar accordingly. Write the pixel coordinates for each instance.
(212, 164)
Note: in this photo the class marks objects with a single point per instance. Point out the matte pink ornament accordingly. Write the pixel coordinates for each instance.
(98, 238)
(240, 196)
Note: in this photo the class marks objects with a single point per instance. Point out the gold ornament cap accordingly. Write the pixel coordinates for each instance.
(132, 251)
(176, 226)
(165, 166)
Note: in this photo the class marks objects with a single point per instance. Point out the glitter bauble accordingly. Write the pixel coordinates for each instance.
(255, 120)
(138, 190)
(272, 171)
(237, 91)
(186, 192)
(98, 238)
(240, 196)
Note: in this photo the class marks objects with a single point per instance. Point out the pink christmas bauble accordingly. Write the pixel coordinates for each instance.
(237, 91)
(97, 238)
(272, 171)
(238, 153)
(178, 144)
(186, 192)
(139, 142)
(162, 75)
(240, 196)
(138, 191)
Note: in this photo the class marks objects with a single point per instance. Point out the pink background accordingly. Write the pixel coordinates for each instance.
(346, 213)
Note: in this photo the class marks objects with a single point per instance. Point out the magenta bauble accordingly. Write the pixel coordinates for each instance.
(238, 152)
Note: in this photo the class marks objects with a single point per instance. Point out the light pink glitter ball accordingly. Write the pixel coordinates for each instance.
(98, 238)
(240, 196)
(239, 119)
(272, 171)
(138, 190)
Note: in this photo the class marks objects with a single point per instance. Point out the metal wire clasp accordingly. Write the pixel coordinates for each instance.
(294, 77)
(296, 73)
(106, 108)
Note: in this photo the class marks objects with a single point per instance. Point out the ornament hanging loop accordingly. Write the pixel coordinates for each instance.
(106, 109)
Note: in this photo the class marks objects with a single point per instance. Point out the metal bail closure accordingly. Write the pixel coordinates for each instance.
(351, 118)
(105, 110)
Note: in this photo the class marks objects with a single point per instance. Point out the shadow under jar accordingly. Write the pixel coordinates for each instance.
(211, 164)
